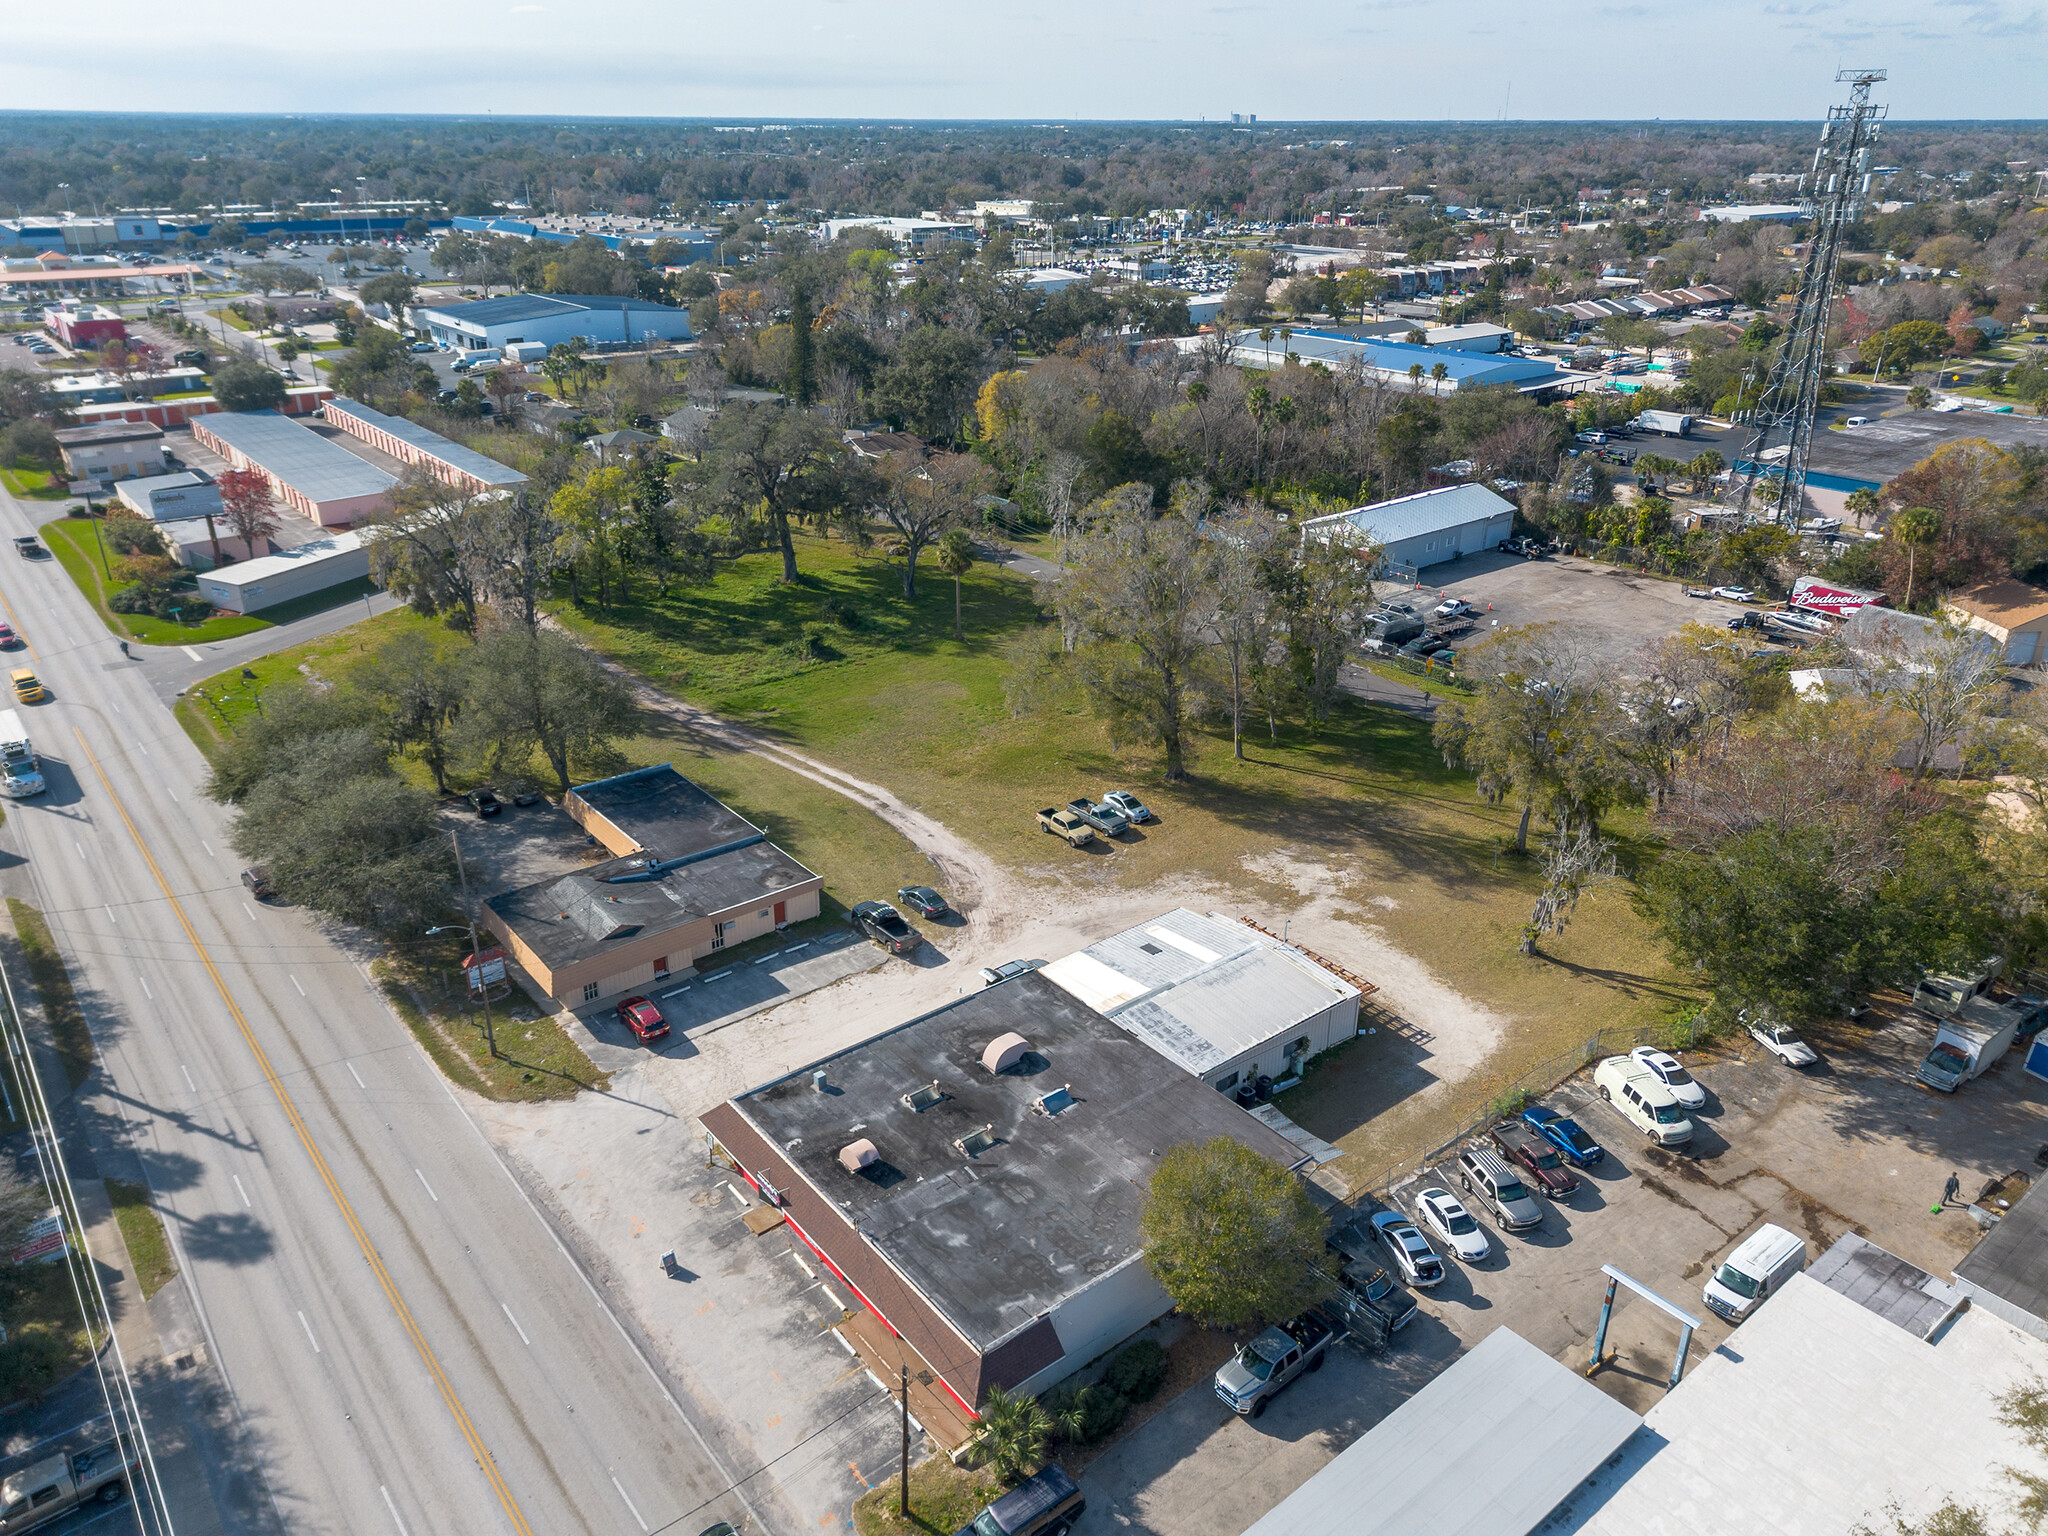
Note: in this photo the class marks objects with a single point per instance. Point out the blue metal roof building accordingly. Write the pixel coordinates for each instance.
(1391, 360)
(551, 318)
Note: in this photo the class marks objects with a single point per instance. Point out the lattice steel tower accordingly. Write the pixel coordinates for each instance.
(1782, 421)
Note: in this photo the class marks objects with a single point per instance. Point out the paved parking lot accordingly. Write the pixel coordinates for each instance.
(1852, 1145)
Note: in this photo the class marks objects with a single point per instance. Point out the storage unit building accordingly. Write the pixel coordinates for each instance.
(318, 478)
(170, 498)
(1424, 529)
(1217, 998)
(273, 579)
(410, 443)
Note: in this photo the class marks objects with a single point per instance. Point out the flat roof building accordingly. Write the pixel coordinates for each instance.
(2007, 1272)
(112, 450)
(1489, 1448)
(602, 320)
(1218, 999)
(315, 566)
(689, 877)
(1425, 528)
(976, 1177)
(410, 443)
(169, 498)
(1392, 360)
(318, 478)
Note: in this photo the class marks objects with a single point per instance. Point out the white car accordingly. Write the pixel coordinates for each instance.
(1123, 800)
(1735, 594)
(1857, 421)
(1783, 1043)
(1667, 1071)
(1454, 608)
(1442, 1214)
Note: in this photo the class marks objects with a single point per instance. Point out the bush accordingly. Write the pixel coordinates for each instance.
(840, 611)
(1138, 1371)
(813, 643)
(1085, 1415)
(130, 535)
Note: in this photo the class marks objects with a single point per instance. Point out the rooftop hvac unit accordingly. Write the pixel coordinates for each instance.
(856, 1155)
(1004, 1052)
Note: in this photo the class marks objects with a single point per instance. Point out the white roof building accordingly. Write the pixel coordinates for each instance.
(1425, 528)
(1214, 996)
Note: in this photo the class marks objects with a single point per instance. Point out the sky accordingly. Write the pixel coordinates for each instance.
(1363, 60)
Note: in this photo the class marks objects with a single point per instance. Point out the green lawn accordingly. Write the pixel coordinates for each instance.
(149, 1250)
(34, 484)
(71, 540)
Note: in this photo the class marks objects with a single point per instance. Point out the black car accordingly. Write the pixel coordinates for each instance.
(485, 802)
(524, 793)
(924, 901)
(884, 924)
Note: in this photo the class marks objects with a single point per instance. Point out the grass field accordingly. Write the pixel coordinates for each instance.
(71, 541)
(53, 985)
(149, 1250)
(943, 1498)
(34, 484)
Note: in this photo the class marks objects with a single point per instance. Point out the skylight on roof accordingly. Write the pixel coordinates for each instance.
(974, 1143)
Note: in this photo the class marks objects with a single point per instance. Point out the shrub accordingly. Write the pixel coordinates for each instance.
(813, 643)
(1138, 1371)
(1085, 1415)
(840, 611)
(129, 535)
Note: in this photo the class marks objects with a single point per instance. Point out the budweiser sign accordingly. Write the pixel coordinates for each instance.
(1813, 593)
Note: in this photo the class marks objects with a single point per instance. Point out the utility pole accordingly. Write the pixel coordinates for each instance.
(903, 1494)
(469, 915)
(1787, 384)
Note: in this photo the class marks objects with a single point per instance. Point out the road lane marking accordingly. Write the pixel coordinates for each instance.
(515, 1326)
(309, 1333)
(145, 988)
(295, 982)
(79, 846)
(174, 797)
(188, 1077)
(197, 657)
(250, 910)
(247, 1205)
(208, 847)
(427, 1187)
(110, 913)
(357, 1076)
(402, 1531)
(481, 1453)
(629, 1503)
(142, 749)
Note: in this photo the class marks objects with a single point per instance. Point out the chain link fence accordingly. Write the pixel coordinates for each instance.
(1499, 1097)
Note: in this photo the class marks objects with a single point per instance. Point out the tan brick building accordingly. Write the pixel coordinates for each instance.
(689, 878)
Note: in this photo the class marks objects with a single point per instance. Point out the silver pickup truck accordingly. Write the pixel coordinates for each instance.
(1106, 819)
(1250, 1378)
(43, 1490)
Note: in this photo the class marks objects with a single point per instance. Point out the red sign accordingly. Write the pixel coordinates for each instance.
(1811, 592)
(486, 968)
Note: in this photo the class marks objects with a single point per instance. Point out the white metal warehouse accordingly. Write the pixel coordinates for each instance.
(1218, 998)
(1424, 529)
(311, 567)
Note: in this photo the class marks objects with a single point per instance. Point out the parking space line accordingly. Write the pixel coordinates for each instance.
(246, 1204)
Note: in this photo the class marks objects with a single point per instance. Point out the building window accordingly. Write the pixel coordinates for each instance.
(718, 935)
(589, 991)
(1225, 1085)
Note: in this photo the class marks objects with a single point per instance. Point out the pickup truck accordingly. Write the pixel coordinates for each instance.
(1363, 1279)
(1103, 818)
(1251, 1378)
(56, 1485)
(1066, 824)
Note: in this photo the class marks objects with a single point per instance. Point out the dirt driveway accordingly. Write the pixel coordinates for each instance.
(1853, 1145)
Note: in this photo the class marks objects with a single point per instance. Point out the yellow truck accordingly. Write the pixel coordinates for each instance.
(1066, 824)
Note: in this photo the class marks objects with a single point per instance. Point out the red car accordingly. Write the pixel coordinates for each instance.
(643, 1018)
(8, 638)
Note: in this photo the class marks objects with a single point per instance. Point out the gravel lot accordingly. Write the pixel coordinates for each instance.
(1851, 1145)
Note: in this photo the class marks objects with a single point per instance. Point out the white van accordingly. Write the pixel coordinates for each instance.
(1757, 1269)
(1642, 1099)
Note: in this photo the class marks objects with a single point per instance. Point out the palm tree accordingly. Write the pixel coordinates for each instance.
(1015, 1430)
(956, 558)
(1916, 528)
(1437, 374)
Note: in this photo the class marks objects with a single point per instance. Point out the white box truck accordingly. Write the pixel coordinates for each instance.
(1970, 1044)
(1665, 423)
(20, 774)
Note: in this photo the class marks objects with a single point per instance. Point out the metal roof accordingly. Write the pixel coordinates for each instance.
(1489, 1448)
(515, 307)
(432, 444)
(997, 1240)
(1426, 512)
(314, 466)
(1813, 1417)
(1199, 990)
(1394, 358)
(313, 552)
(2012, 1260)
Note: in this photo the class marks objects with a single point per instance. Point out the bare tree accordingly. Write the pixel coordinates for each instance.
(1940, 676)
(1574, 861)
(1326, 596)
(1242, 549)
(924, 496)
(431, 548)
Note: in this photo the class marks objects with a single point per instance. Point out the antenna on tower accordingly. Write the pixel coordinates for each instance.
(1786, 384)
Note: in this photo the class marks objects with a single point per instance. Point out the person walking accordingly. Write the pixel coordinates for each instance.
(1949, 1191)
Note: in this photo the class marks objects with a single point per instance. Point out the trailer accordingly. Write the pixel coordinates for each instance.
(1665, 423)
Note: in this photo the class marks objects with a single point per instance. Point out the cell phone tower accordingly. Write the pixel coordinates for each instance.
(1786, 384)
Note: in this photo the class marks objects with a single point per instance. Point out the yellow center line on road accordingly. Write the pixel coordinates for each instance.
(341, 1201)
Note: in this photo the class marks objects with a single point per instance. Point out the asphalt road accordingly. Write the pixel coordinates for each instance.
(410, 1347)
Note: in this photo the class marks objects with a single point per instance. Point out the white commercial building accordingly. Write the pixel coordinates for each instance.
(552, 318)
(1215, 997)
(311, 567)
(912, 231)
(1426, 528)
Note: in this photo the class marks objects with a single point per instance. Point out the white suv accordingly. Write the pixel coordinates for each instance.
(1645, 1102)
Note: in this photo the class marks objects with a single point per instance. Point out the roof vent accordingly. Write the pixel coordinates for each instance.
(1004, 1052)
(974, 1143)
(921, 1099)
(1052, 1103)
(819, 1081)
(856, 1155)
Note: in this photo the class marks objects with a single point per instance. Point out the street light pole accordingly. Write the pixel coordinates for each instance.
(469, 915)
